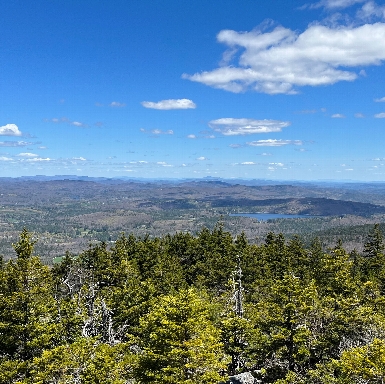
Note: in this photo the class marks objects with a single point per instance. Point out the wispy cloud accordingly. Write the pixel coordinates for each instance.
(5, 158)
(201, 158)
(117, 104)
(320, 55)
(371, 10)
(78, 124)
(273, 143)
(27, 154)
(164, 164)
(38, 159)
(380, 115)
(15, 143)
(338, 116)
(66, 120)
(10, 130)
(333, 4)
(380, 100)
(359, 115)
(307, 111)
(157, 132)
(191, 136)
(231, 127)
(170, 104)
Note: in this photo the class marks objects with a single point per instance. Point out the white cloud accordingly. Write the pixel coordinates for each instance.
(157, 132)
(273, 143)
(277, 164)
(170, 104)
(67, 121)
(10, 130)
(38, 159)
(117, 104)
(27, 154)
(79, 158)
(380, 115)
(78, 124)
(248, 163)
(201, 158)
(380, 100)
(191, 137)
(370, 9)
(230, 127)
(359, 115)
(334, 4)
(338, 116)
(318, 56)
(14, 143)
(4, 158)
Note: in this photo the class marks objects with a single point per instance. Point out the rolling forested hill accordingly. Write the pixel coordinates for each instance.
(68, 214)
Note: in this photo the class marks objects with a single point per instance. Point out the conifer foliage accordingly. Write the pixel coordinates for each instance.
(194, 309)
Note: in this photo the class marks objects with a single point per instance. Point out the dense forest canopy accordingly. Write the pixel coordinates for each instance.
(194, 309)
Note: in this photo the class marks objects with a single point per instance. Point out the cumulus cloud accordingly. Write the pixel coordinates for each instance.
(117, 104)
(380, 100)
(320, 55)
(201, 158)
(338, 116)
(10, 130)
(4, 158)
(230, 127)
(380, 115)
(191, 137)
(14, 143)
(273, 143)
(170, 104)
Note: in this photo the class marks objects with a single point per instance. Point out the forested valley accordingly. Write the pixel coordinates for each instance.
(194, 309)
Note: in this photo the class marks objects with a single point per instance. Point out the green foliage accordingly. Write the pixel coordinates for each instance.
(86, 361)
(161, 310)
(179, 342)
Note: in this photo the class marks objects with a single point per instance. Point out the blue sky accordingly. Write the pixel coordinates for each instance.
(284, 90)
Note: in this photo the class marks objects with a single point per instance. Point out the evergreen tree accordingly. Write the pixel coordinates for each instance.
(179, 342)
(28, 314)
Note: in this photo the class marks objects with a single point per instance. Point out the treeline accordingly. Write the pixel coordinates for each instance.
(183, 309)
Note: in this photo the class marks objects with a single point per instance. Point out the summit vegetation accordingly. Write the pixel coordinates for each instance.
(184, 309)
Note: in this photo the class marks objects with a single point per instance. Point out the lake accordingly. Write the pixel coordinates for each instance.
(270, 216)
